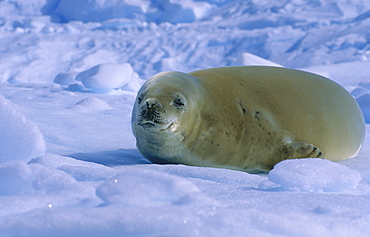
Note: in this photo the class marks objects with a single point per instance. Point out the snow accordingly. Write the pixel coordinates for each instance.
(105, 77)
(314, 175)
(147, 188)
(364, 103)
(69, 74)
(362, 95)
(20, 138)
(172, 11)
(251, 59)
(90, 104)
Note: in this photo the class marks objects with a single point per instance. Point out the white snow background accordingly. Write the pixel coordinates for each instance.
(69, 72)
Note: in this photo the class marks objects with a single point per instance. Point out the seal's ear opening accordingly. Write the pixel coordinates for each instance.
(179, 101)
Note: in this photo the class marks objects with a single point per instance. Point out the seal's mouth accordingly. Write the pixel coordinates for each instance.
(147, 124)
(149, 119)
(150, 125)
(152, 119)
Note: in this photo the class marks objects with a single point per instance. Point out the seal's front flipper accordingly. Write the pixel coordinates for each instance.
(302, 150)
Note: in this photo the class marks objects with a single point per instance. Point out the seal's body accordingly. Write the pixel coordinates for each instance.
(246, 118)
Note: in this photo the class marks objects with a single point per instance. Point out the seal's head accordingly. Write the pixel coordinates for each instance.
(161, 105)
(161, 101)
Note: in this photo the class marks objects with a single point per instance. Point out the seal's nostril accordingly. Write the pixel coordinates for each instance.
(152, 104)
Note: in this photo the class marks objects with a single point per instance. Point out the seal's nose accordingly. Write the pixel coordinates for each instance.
(152, 104)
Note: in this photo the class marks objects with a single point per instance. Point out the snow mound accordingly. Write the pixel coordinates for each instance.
(248, 59)
(90, 105)
(65, 79)
(106, 76)
(172, 11)
(14, 178)
(362, 95)
(17, 177)
(80, 170)
(101, 78)
(358, 91)
(20, 138)
(49, 180)
(364, 103)
(145, 188)
(314, 175)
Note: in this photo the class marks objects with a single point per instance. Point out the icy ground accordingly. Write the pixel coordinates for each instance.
(69, 72)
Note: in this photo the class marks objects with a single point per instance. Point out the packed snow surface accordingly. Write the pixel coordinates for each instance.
(69, 73)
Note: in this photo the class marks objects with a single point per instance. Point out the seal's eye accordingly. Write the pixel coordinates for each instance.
(139, 99)
(179, 102)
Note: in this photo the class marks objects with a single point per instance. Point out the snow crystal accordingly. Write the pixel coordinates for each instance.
(314, 175)
(20, 138)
